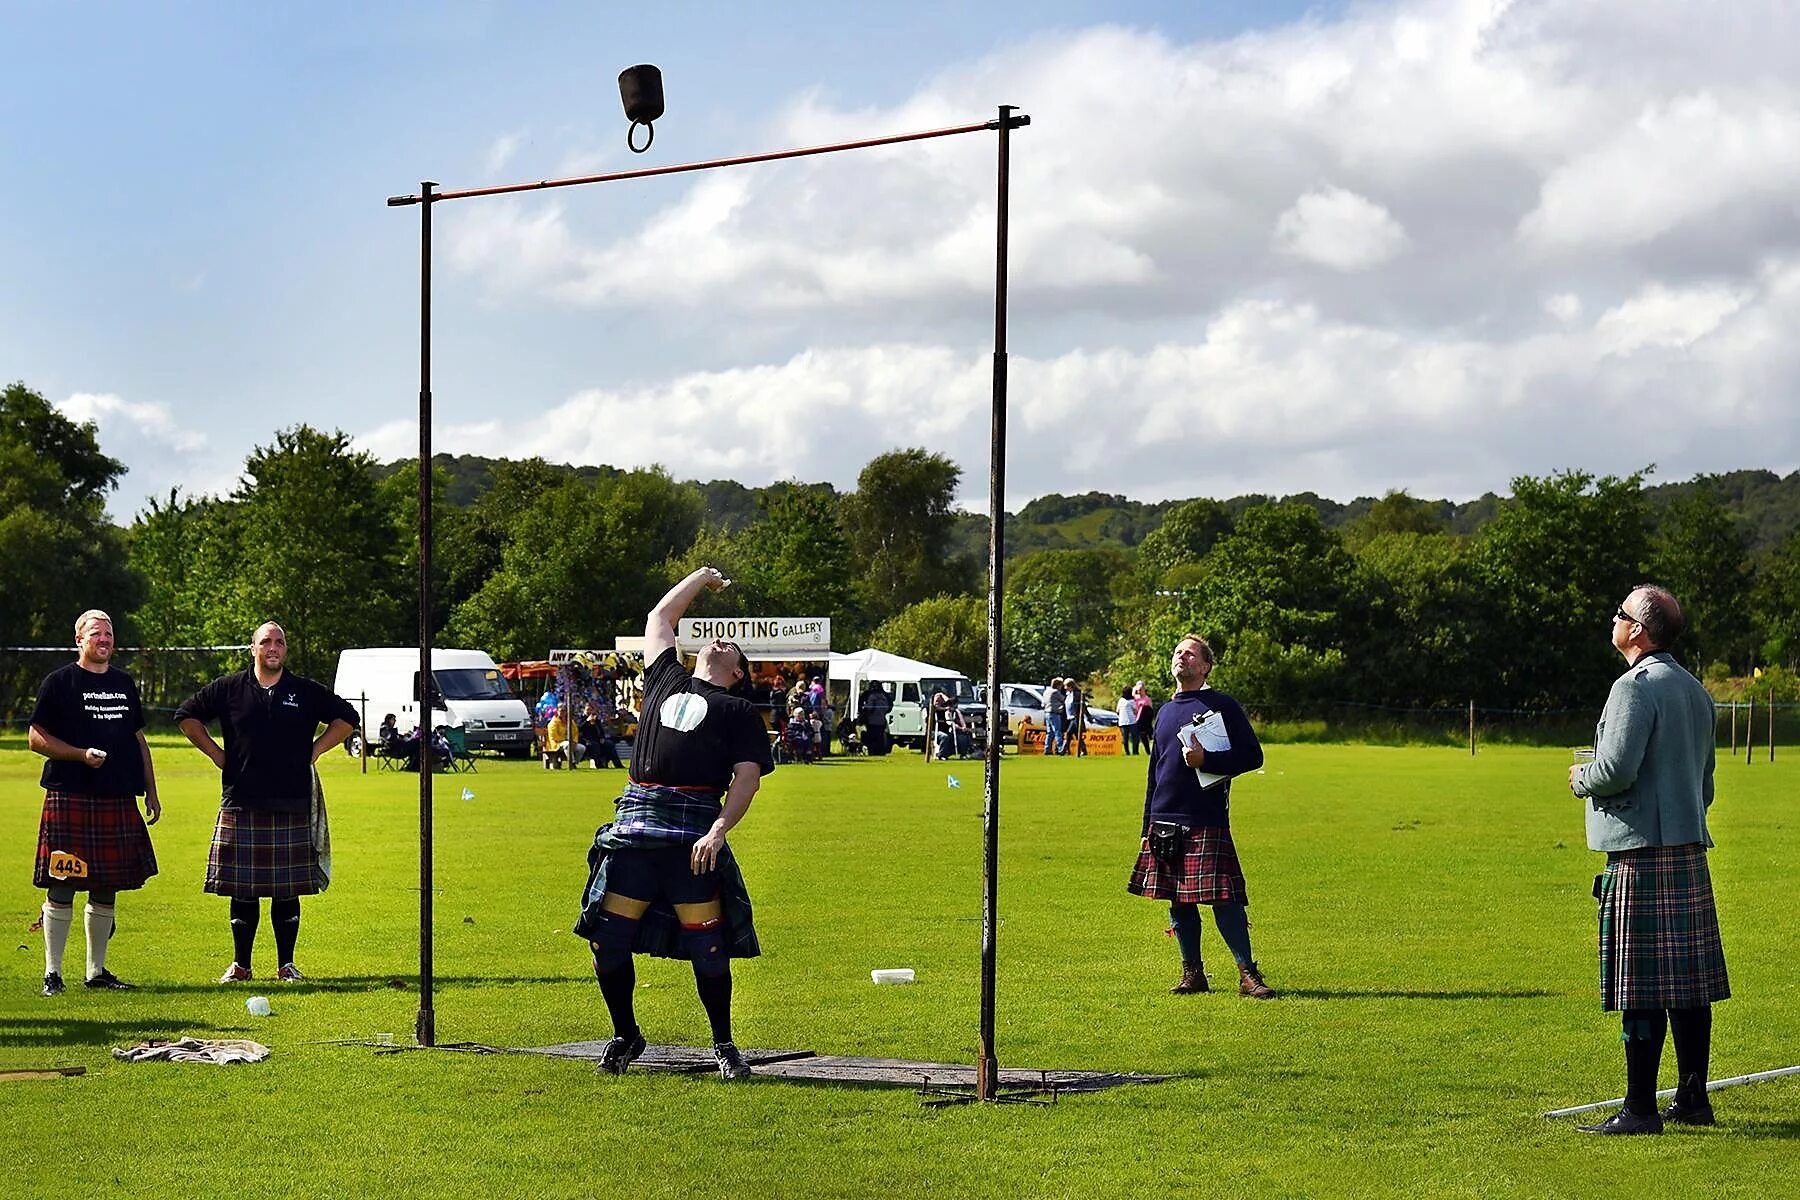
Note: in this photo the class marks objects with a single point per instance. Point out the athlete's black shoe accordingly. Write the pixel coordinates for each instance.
(53, 984)
(731, 1061)
(619, 1053)
(108, 981)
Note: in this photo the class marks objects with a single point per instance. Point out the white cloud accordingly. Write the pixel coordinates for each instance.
(1680, 161)
(1661, 316)
(1534, 217)
(501, 152)
(116, 415)
(1564, 306)
(1272, 396)
(161, 452)
(1338, 229)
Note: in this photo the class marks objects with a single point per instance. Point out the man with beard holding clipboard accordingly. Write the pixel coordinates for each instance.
(1187, 857)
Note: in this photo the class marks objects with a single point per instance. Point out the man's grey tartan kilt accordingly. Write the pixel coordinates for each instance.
(1659, 930)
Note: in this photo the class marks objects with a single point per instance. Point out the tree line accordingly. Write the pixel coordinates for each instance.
(1396, 601)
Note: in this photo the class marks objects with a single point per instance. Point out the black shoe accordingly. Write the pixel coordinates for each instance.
(731, 1061)
(1626, 1121)
(1689, 1112)
(619, 1053)
(108, 981)
(53, 984)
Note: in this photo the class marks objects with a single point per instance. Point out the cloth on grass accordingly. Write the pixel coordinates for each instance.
(191, 1049)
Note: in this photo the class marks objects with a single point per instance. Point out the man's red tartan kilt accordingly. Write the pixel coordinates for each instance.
(1207, 873)
(260, 853)
(105, 832)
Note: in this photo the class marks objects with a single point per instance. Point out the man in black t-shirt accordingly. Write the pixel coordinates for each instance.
(264, 839)
(661, 878)
(89, 724)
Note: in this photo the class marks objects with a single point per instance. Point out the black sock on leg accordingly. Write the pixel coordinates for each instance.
(715, 998)
(244, 916)
(1645, 1029)
(616, 987)
(284, 915)
(1691, 1031)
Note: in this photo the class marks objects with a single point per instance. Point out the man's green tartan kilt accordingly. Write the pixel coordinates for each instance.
(1659, 930)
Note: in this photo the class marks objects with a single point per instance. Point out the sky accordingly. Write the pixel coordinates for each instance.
(1268, 247)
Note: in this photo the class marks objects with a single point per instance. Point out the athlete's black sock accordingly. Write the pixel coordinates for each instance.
(244, 916)
(284, 915)
(1645, 1029)
(1691, 1031)
(616, 987)
(715, 998)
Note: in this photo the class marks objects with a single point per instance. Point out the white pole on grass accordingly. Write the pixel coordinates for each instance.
(1714, 1086)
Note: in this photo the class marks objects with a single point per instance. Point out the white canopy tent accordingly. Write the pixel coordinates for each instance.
(858, 669)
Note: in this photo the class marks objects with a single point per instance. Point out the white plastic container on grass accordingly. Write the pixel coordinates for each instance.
(893, 975)
(258, 1006)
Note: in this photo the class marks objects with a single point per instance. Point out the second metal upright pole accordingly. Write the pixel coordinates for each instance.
(987, 1068)
(425, 1027)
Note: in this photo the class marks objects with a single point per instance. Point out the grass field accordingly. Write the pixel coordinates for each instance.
(1427, 916)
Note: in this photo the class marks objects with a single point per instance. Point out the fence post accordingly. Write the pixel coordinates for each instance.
(363, 733)
(1771, 724)
(1732, 710)
(1471, 728)
(1750, 731)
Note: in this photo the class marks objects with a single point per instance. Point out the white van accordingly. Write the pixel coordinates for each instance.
(471, 693)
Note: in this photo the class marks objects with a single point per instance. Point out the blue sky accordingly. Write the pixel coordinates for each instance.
(1262, 247)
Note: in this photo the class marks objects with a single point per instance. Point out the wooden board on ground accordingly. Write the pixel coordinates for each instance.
(42, 1073)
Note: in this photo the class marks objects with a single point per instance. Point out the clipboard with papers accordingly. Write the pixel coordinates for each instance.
(1209, 734)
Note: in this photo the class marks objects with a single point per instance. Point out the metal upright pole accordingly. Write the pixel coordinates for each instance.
(425, 1027)
(987, 1069)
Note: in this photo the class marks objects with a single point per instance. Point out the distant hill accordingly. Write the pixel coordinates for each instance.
(1768, 503)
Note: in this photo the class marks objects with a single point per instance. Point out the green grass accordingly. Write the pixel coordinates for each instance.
(1426, 914)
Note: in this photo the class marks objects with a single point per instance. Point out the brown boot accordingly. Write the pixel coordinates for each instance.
(1193, 979)
(1250, 983)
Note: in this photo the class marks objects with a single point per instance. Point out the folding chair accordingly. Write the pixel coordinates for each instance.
(460, 758)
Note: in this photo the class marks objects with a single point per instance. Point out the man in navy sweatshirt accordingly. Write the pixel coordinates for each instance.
(1187, 856)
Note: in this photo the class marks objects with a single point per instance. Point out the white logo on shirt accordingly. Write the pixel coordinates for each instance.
(683, 711)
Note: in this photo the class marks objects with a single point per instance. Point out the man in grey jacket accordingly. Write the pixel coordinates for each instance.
(1647, 791)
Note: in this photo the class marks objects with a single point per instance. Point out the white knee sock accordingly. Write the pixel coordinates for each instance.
(97, 920)
(57, 919)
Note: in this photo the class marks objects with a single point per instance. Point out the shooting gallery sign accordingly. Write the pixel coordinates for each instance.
(756, 635)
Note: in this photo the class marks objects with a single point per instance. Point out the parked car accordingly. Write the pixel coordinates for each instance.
(1029, 702)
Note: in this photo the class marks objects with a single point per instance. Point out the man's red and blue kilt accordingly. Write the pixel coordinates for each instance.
(1206, 872)
(105, 832)
(260, 853)
(1659, 930)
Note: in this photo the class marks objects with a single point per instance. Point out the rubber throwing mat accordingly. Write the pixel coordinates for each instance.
(807, 1066)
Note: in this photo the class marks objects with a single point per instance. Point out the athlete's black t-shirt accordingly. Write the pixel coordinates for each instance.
(693, 732)
(268, 735)
(100, 709)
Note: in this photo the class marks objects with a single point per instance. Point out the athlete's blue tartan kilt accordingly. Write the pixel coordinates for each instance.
(256, 852)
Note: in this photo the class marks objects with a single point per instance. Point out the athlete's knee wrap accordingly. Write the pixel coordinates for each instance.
(612, 941)
(705, 945)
